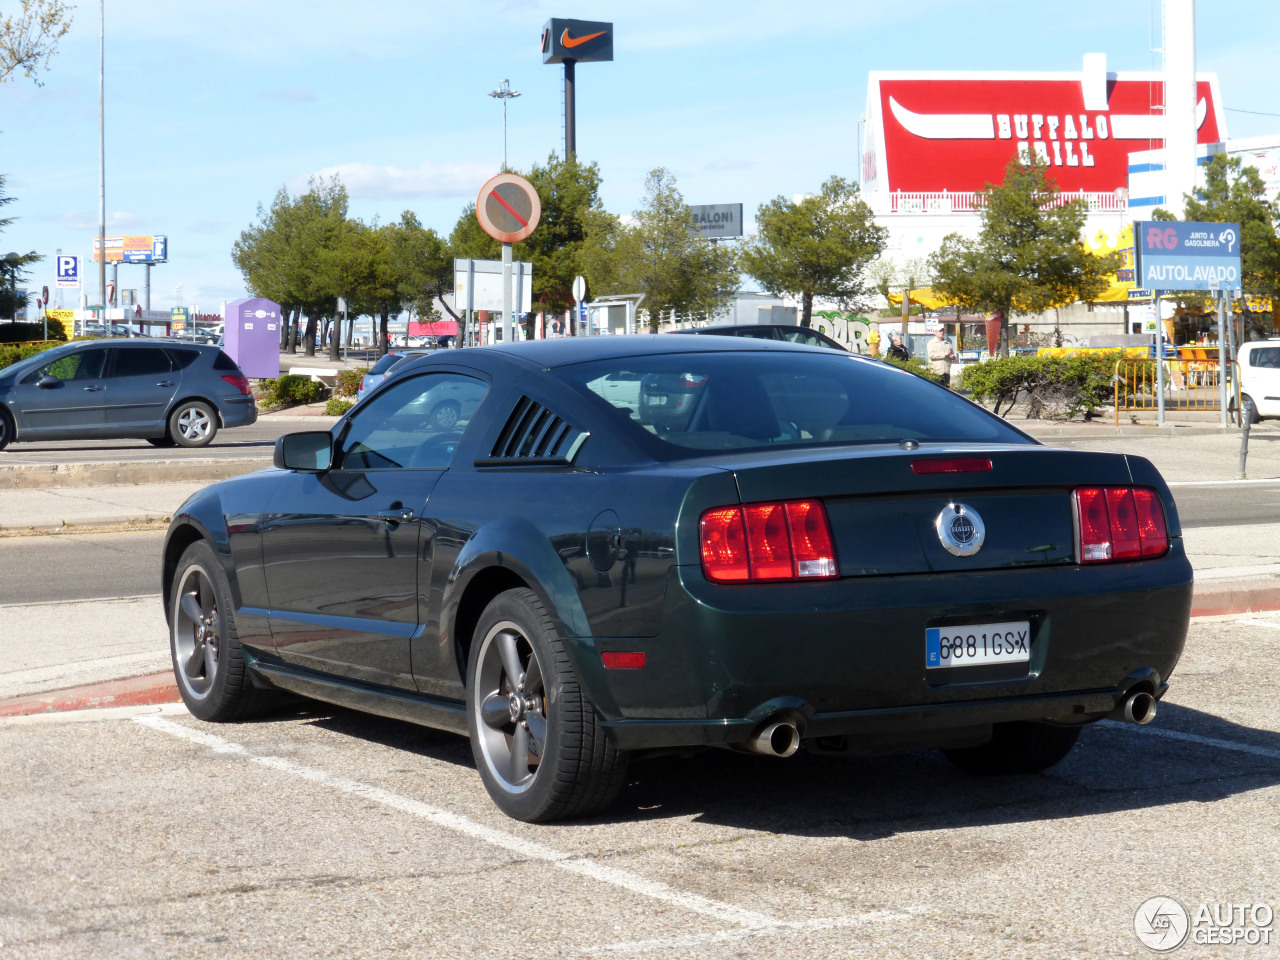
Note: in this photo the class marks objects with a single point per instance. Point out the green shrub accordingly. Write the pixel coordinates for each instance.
(348, 382)
(914, 365)
(337, 406)
(30, 331)
(11, 353)
(290, 390)
(1053, 387)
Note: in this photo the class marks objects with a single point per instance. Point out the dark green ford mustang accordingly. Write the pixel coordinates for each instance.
(635, 544)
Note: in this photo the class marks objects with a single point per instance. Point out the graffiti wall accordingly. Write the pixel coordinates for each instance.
(851, 331)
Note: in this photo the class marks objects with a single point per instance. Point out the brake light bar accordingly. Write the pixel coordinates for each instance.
(951, 465)
(1119, 523)
(775, 541)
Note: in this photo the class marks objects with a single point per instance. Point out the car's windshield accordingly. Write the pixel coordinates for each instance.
(742, 400)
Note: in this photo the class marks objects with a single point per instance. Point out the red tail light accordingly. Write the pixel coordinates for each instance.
(783, 540)
(1120, 523)
(239, 381)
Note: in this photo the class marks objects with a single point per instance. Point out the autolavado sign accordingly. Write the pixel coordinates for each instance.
(930, 131)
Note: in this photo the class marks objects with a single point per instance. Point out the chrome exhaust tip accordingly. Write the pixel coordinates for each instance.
(776, 740)
(1139, 708)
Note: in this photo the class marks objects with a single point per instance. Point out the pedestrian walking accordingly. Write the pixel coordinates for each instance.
(941, 356)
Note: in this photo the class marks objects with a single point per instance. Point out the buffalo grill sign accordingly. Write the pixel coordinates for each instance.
(930, 132)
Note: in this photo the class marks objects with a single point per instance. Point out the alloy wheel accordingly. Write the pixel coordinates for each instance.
(197, 633)
(193, 423)
(511, 707)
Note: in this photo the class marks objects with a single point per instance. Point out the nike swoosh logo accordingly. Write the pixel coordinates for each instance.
(571, 42)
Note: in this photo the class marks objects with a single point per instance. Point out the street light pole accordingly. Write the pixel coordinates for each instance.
(102, 160)
(504, 93)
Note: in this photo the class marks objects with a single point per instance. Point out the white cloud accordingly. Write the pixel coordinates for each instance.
(368, 181)
(116, 220)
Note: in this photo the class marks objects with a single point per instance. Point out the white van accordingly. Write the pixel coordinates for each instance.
(1260, 377)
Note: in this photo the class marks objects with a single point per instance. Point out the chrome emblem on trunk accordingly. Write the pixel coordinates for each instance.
(960, 529)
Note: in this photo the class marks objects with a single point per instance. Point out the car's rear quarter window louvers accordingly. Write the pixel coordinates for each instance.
(534, 435)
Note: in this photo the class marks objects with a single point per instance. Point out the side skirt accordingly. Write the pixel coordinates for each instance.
(419, 708)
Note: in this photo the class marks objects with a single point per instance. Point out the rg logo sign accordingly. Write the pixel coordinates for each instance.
(1158, 239)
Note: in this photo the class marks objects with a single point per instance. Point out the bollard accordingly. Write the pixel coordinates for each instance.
(1246, 420)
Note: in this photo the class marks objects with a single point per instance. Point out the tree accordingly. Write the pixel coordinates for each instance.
(1235, 193)
(659, 254)
(29, 39)
(12, 265)
(818, 247)
(1027, 257)
(423, 265)
(279, 254)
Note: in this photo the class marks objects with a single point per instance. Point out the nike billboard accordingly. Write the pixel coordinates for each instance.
(582, 40)
(930, 132)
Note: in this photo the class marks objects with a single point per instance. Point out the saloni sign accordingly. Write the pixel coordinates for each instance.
(930, 132)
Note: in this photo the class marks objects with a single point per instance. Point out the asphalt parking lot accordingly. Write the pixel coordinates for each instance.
(318, 833)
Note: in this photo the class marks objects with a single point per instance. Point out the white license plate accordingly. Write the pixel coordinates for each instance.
(968, 646)
(658, 400)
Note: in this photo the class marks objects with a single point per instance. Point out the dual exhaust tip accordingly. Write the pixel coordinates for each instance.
(782, 738)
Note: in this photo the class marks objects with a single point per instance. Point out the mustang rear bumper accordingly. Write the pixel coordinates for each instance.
(847, 658)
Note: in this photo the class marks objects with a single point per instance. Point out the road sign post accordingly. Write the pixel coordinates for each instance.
(508, 208)
(579, 294)
(1172, 255)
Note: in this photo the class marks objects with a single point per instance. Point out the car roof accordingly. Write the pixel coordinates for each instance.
(536, 354)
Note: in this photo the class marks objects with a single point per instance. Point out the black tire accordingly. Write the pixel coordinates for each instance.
(1020, 747)
(446, 415)
(193, 423)
(566, 767)
(208, 662)
(165, 441)
(1250, 408)
(6, 430)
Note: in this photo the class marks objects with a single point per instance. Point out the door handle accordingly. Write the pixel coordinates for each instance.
(94, 388)
(165, 383)
(396, 515)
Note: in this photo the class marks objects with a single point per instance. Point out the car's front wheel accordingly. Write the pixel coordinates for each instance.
(538, 744)
(193, 423)
(6, 430)
(1018, 747)
(204, 645)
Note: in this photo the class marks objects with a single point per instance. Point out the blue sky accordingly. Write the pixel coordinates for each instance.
(212, 107)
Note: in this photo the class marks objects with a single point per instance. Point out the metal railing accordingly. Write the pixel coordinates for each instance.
(914, 201)
(1192, 381)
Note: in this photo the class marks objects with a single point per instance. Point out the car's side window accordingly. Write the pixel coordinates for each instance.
(415, 424)
(140, 362)
(82, 365)
(1265, 357)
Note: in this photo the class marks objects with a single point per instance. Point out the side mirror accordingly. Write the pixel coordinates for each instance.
(311, 450)
(48, 382)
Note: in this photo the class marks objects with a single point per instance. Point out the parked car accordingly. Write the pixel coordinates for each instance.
(1259, 365)
(575, 583)
(768, 331)
(150, 389)
(382, 368)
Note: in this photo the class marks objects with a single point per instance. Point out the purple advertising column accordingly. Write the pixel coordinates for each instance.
(252, 336)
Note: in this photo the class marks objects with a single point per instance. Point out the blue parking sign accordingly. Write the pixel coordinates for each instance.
(68, 271)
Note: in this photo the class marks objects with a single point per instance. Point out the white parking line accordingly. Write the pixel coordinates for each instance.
(1219, 483)
(1203, 741)
(529, 849)
(1255, 622)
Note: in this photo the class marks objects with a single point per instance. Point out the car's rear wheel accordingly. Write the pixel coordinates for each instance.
(6, 430)
(1020, 747)
(537, 741)
(193, 423)
(208, 661)
(446, 415)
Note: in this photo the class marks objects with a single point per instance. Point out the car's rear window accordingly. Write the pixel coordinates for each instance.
(742, 400)
(224, 362)
(385, 363)
(184, 358)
